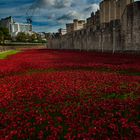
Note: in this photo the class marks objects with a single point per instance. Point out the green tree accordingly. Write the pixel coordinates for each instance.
(39, 38)
(4, 34)
(21, 36)
(1, 37)
(33, 37)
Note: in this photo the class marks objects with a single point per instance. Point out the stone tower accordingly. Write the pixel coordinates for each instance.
(112, 10)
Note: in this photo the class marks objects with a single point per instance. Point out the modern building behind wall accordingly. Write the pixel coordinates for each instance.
(14, 27)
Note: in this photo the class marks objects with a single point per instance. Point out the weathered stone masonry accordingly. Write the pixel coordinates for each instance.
(117, 35)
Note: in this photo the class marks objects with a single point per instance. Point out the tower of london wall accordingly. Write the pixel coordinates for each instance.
(130, 27)
(117, 35)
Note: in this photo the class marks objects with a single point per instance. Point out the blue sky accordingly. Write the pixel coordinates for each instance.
(48, 15)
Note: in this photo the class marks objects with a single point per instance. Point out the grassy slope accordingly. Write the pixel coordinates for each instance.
(3, 55)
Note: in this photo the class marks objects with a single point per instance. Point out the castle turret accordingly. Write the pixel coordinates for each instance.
(112, 10)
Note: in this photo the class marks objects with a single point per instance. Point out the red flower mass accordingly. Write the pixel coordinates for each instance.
(55, 95)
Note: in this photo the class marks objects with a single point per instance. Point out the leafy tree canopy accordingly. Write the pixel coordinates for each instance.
(4, 34)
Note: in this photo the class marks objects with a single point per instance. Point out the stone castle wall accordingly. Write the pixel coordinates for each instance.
(88, 40)
(117, 35)
(130, 27)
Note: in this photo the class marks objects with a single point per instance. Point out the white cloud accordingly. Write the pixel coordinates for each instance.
(70, 15)
(92, 7)
(52, 3)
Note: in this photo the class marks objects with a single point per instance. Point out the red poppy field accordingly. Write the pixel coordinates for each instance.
(69, 95)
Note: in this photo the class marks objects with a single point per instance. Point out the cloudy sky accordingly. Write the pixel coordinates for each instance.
(48, 15)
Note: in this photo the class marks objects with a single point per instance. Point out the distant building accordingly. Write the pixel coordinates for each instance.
(69, 27)
(42, 34)
(14, 27)
(62, 31)
(76, 25)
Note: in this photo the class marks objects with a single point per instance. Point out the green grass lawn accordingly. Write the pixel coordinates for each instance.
(4, 54)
